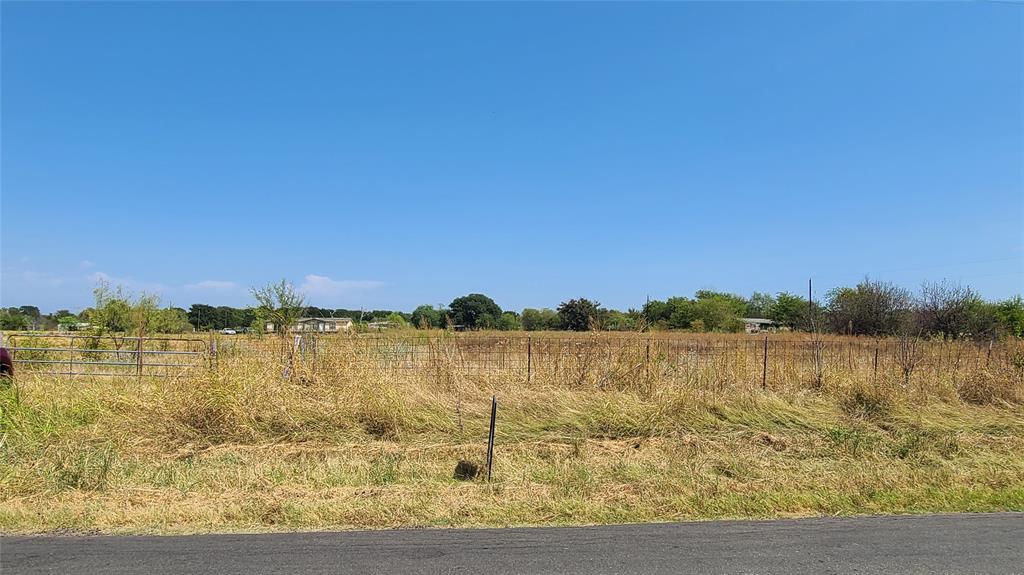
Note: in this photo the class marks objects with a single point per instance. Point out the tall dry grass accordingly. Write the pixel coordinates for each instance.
(357, 435)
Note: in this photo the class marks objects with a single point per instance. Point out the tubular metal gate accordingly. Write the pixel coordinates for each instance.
(88, 355)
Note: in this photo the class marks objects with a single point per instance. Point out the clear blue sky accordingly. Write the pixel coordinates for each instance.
(388, 155)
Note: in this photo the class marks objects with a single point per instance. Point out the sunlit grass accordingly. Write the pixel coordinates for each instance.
(351, 445)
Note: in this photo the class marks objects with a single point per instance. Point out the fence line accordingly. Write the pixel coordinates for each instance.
(762, 360)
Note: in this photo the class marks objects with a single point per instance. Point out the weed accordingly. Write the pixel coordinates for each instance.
(85, 468)
(384, 468)
(849, 440)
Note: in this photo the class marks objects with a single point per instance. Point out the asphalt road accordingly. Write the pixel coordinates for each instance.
(981, 543)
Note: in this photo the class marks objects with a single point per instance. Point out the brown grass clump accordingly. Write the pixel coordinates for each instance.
(381, 413)
(990, 387)
(867, 401)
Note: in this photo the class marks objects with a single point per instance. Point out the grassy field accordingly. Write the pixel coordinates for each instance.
(344, 442)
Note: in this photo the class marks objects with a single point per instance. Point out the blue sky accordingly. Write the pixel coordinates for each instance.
(388, 155)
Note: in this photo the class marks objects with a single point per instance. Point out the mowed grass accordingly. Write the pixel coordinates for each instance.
(350, 446)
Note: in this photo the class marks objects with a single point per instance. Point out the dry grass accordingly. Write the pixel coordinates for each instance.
(345, 443)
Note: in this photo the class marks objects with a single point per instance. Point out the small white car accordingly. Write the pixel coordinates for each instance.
(228, 331)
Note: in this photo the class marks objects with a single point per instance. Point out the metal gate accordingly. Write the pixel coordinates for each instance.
(88, 355)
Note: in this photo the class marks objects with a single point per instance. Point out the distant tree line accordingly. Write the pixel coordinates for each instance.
(872, 308)
(114, 311)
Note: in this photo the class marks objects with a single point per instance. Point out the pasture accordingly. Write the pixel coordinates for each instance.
(338, 432)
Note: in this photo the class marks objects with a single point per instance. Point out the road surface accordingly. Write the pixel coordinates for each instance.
(979, 543)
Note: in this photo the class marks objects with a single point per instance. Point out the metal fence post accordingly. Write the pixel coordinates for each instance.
(71, 357)
(764, 366)
(490, 437)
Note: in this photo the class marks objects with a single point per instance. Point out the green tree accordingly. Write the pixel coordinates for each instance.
(718, 311)
(509, 321)
(396, 320)
(278, 304)
(119, 312)
(870, 308)
(202, 316)
(13, 319)
(657, 313)
(983, 321)
(475, 311)
(788, 310)
(1010, 314)
(145, 313)
(87, 315)
(33, 315)
(425, 317)
(760, 305)
(540, 319)
(579, 314)
(618, 321)
(170, 320)
(112, 311)
(681, 313)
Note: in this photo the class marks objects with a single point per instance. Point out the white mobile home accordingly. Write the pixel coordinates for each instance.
(317, 325)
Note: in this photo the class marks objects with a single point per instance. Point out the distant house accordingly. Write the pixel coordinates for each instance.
(757, 324)
(318, 325)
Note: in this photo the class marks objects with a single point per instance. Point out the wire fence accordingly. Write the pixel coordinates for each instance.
(579, 357)
(764, 360)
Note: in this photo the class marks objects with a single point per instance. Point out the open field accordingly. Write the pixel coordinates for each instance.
(350, 432)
